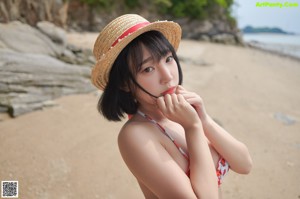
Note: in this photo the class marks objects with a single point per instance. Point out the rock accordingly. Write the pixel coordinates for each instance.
(198, 62)
(68, 56)
(19, 109)
(204, 38)
(73, 48)
(32, 11)
(28, 80)
(49, 103)
(239, 39)
(204, 27)
(23, 38)
(82, 56)
(218, 31)
(3, 109)
(224, 38)
(285, 119)
(56, 34)
(221, 26)
(197, 29)
(35, 70)
(2, 45)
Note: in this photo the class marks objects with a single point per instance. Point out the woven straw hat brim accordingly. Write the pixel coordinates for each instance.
(100, 72)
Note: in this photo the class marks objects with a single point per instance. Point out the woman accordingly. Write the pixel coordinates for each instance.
(170, 144)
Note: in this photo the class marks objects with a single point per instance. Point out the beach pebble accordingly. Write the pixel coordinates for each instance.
(286, 119)
(49, 103)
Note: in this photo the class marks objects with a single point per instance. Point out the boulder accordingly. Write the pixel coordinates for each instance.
(33, 11)
(23, 38)
(34, 70)
(56, 34)
(28, 80)
(224, 38)
(209, 30)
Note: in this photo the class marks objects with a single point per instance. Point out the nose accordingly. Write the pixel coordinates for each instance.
(165, 73)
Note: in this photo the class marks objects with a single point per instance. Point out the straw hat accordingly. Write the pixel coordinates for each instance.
(120, 32)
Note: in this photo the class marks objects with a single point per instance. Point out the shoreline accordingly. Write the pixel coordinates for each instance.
(254, 45)
(280, 44)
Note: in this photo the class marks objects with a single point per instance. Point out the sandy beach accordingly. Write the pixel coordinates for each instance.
(70, 150)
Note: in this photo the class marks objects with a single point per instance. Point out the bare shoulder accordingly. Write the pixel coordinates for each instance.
(136, 133)
(137, 142)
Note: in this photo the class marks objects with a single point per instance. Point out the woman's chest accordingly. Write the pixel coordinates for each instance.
(173, 140)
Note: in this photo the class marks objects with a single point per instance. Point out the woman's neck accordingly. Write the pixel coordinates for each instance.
(153, 112)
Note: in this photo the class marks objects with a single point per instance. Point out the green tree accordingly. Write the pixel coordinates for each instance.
(194, 9)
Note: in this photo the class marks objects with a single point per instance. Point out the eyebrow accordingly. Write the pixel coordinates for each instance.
(146, 60)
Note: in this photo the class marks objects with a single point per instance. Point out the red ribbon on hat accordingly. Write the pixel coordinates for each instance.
(130, 30)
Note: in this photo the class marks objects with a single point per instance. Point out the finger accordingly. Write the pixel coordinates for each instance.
(192, 100)
(179, 89)
(185, 92)
(168, 101)
(174, 99)
(161, 104)
(180, 98)
(183, 101)
(188, 95)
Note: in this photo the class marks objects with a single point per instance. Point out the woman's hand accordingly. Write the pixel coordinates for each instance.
(195, 100)
(177, 109)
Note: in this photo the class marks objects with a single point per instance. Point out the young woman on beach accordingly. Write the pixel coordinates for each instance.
(170, 144)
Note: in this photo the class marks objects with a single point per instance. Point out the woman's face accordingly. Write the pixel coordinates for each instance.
(158, 77)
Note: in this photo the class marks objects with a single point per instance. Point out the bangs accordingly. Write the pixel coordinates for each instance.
(157, 45)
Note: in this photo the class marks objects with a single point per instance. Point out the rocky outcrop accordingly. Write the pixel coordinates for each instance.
(218, 31)
(56, 34)
(23, 38)
(79, 16)
(33, 11)
(37, 66)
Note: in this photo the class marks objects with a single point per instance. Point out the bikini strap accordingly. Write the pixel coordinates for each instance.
(165, 132)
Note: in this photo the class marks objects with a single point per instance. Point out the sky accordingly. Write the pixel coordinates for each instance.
(287, 18)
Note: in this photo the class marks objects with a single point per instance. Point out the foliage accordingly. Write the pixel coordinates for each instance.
(100, 3)
(194, 9)
(131, 3)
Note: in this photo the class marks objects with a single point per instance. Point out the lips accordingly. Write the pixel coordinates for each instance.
(169, 91)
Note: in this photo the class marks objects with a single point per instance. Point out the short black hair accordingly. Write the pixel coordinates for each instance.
(117, 101)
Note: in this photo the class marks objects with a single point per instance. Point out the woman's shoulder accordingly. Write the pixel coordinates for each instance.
(137, 139)
(137, 130)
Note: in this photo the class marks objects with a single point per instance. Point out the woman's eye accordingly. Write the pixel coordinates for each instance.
(148, 69)
(169, 58)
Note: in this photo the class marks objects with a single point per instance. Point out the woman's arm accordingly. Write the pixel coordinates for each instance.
(202, 170)
(154, 167)
(234, 151)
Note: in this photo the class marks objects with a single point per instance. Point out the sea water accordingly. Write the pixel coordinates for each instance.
(280, 43)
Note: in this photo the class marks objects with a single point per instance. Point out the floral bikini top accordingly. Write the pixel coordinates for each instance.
(222, 166)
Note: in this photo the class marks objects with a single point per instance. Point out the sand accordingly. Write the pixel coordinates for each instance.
(70, 151)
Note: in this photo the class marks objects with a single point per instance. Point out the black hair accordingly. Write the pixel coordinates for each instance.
(118, 96)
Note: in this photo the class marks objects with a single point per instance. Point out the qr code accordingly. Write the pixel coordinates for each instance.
(9, 189)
